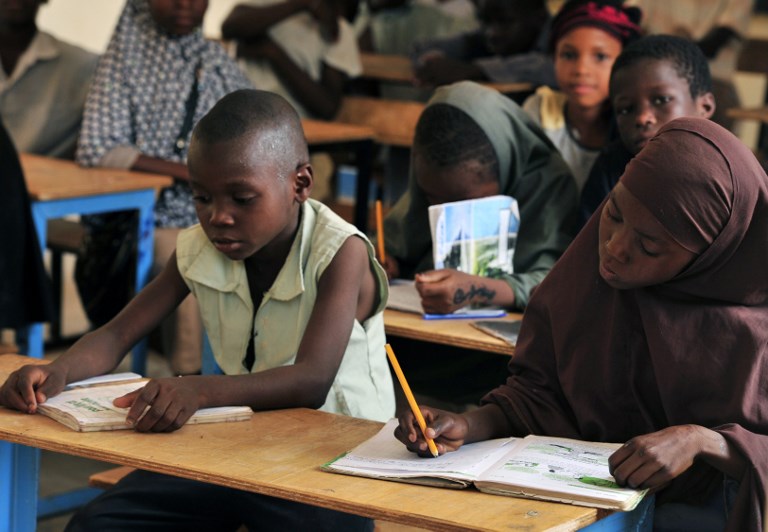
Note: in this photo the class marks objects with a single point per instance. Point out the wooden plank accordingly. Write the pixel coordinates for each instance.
(393, 121)
(279, 453)
(399, 69)
(458, 333)
(51, 179)
(106, 479)
(757, 113)
(322, 132)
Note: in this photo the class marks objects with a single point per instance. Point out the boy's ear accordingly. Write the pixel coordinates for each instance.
(303, 182)
(706, 105)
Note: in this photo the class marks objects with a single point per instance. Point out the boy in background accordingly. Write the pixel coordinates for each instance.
(510, 46)
(654, 80)
(303, 50)
(291, 297)
(43, 83)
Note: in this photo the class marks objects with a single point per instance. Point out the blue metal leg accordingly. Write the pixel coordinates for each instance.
(19, 471)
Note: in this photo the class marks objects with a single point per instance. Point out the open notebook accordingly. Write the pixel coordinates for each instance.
(538, 467)
(90, 408)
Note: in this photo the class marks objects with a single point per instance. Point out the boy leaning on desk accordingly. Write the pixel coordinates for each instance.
(292, 306)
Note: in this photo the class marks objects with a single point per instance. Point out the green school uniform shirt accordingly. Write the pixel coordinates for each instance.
(363, 385)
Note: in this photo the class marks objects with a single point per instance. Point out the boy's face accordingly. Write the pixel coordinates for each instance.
(583, 60)
(635, 249)
(467, 180)
(506, 31)
(649, 94)
(178, 17)
(247, 200)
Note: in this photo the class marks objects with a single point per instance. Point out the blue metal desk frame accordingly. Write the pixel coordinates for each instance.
(20, 465)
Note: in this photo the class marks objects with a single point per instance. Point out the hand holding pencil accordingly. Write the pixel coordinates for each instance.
(411, 400)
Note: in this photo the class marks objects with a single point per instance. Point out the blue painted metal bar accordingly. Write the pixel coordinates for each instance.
(19, 471)
(638, 520)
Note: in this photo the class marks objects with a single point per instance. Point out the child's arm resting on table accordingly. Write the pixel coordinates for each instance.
(100, 351)
(346, 291)
(445, 291)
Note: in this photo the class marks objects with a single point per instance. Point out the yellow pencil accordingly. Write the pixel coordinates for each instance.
(411, 399)
(380, 233)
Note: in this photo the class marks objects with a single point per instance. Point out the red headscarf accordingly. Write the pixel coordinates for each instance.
(598, 363)
(610, 16)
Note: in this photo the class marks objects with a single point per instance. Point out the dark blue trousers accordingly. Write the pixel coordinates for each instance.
(151, 501)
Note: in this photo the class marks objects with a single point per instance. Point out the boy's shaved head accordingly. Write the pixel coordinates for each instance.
(253, 112)
(686, 57)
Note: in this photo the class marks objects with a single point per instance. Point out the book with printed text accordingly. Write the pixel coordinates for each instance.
(538, 467)
(90, 408)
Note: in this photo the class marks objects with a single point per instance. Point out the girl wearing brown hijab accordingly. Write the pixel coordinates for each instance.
(652, 329)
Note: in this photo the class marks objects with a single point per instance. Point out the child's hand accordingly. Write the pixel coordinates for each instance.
(31, 385)
(652, 460)
(447, 429)
(392, 267)
(168, 402)
(445, 291)
(326, 16)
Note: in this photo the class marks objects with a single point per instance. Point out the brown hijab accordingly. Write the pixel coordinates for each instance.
(597, 363)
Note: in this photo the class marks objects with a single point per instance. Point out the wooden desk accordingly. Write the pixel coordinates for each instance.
(458, 333)
(58, 188)
(277, 453)
(758, 113)
(399, 69)
(359, 139)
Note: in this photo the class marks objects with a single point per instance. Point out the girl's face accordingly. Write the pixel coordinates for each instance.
(649, 94)
(583, 60)
(635, 249)
(178, 17)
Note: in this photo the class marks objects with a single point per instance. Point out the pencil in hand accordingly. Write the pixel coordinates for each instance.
(411, 400)
(380, 233)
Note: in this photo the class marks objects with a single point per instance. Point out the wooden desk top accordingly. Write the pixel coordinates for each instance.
(322, 132)
(457, 333)
(399, 69)
(52, 179)
(278, 453)
(758, 113)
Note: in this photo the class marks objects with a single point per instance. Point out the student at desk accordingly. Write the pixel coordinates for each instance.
(471, 142)
(510, 46)
(292, 300)
(652, 329)
(158, 77)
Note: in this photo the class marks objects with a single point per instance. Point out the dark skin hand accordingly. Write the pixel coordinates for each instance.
(445, 291)
(653, 460)
(450, 430)
(434, 69)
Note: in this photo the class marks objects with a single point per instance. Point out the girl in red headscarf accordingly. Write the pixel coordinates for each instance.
(652, 329)
(586, 37)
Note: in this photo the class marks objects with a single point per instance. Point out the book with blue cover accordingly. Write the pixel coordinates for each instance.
(476, 236)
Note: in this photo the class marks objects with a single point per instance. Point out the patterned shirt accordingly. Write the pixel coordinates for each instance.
(138, 101)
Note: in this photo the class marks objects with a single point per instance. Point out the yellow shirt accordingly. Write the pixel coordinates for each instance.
(363, 385)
